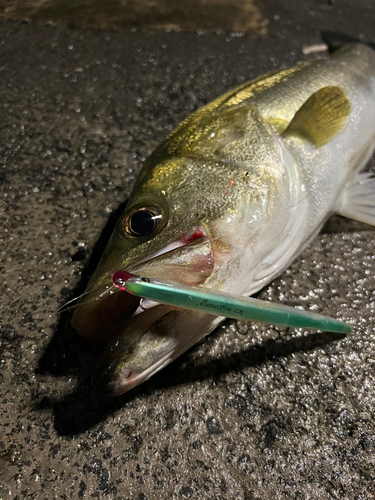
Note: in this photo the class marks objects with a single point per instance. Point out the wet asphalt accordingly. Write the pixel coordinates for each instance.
(253, 412)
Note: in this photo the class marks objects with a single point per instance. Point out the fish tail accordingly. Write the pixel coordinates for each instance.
(336, 40)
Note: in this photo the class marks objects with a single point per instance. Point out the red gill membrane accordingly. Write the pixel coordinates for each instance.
(191, 235)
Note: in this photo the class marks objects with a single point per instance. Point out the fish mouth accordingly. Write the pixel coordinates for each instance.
(150, 341)
(124, 363)
(103, 315)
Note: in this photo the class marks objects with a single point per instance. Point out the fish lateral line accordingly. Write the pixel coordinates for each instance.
(226, 304)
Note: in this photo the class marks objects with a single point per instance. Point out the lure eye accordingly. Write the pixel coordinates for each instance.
(142, 222)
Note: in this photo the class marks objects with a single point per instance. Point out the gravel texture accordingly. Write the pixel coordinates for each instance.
(253, 412)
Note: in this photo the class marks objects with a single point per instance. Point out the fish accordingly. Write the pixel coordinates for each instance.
(230, 198)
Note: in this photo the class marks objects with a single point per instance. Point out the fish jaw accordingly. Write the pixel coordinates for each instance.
(191, 263)
(99, 319)
(148, 343)
(103, 312)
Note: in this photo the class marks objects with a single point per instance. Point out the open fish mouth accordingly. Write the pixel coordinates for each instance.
(128, 359)
(149, 342)
(102, 316)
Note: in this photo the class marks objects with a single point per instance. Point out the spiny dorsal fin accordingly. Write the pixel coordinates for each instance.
(323, 116)
(237, 97)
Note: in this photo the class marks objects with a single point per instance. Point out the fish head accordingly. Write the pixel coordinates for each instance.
(193, 214)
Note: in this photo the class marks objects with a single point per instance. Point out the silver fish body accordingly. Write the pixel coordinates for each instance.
(230, 199)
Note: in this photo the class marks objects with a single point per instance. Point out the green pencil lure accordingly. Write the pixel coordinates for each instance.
(224, 304)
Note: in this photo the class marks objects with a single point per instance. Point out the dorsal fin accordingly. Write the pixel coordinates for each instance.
(321, 117)
(236, 97)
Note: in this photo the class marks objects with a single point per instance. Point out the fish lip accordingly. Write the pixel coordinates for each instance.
(118, 387)
(124, 382)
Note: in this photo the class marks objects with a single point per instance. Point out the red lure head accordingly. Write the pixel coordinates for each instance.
(119, 279)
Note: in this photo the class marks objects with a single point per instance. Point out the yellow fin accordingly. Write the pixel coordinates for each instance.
(321, 117)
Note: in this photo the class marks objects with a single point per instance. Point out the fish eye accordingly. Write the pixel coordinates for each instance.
(142, 221)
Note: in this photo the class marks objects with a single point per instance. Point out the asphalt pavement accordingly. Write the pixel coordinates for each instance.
(251, 413)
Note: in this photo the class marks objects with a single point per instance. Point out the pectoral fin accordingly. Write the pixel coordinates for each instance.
(322, 117)
(358, 199)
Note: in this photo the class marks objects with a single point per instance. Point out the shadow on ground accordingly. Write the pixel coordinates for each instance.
(70, 355)
(84, 408)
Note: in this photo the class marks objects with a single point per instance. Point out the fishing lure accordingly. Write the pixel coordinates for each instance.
(224, 304)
